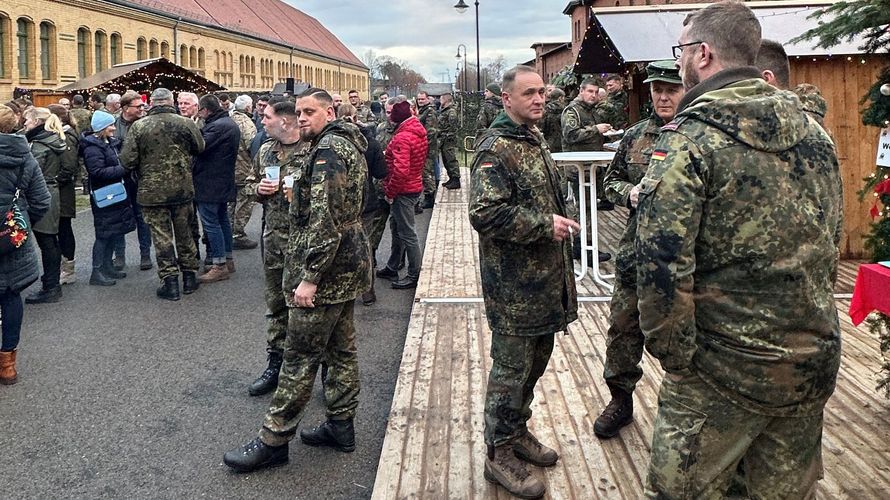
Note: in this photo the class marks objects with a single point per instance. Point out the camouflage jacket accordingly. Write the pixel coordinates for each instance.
(527, 278)
(550, 125)
(739, 221)
(385, 132)
(609, 113)
(449, 123)
(579, 132)
(488, 112)
(82, 117)
(364, 114)
(327, 244)
(813, 102)
(161, 148)
(290, 158)
(244, 168)
(619, 104)
(430, 120)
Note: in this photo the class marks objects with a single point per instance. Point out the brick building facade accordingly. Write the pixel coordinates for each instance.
(45, 44)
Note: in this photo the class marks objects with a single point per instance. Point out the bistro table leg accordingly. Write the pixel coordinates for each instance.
(590, 183)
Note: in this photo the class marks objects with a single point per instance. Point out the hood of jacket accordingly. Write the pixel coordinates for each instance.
(496, 100)
(504, 126)
(51, 140)
(742, 105)
(91, 139)
(347, 131)
(14, 149)
(412, 126)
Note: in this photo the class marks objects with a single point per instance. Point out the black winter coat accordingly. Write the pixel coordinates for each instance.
(20, 268)
(376, 169)
(104, 168)
(214, 170)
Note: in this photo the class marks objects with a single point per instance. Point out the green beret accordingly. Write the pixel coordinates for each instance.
(663, 71)
(493, 88)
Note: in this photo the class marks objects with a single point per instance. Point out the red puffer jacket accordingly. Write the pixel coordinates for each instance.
(405, 157)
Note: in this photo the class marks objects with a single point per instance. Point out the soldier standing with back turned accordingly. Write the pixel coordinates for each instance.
(449, 126)
(518, 208)
(426, 113)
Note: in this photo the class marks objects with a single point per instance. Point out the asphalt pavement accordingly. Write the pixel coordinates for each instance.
(125, 396)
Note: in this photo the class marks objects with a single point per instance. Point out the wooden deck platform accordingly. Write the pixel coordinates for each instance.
(434, 447)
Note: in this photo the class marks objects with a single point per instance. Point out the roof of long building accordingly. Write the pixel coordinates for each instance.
(271, 20)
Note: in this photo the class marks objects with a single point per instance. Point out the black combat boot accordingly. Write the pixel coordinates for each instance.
(111, 271)
(268, 381)
(618, 413)
(169, 289)
(256, 455)
(189, 282)
(387, 274)
(338, 434)
(98, 278)
(45, 295)
(430, 200)
(453, 183)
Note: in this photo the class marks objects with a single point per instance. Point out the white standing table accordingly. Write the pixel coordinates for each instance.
(586, 162)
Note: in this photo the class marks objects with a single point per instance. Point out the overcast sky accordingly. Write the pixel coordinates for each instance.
(426, 33)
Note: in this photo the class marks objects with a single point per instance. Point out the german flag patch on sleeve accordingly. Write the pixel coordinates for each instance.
(659, 154)
(486, 164)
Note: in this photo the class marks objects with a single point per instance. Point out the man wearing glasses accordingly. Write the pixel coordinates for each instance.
(739, 218)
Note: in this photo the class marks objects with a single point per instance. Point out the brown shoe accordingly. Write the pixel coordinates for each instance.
(216, 273)
(8, 375)
(618, 413)
(230, 265)
(528, 448)
(511, 473)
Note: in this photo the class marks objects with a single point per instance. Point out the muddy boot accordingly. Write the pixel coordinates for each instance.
(8, 375)
(268, 380)
(618, 413)
(338, 434)
(529, 449)
(505, 469)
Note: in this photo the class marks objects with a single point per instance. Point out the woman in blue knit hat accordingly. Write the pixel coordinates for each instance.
(99, 150)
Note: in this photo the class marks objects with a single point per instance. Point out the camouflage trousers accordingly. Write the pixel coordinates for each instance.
(702, 442)
(274, 246)
(517, 364)
(240, 210)
(624, 339)
(430, 181)
(171, 233)
(374, 224)
(448, 149)
(323, 333)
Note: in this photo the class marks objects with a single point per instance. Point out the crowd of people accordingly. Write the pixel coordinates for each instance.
(724, 272)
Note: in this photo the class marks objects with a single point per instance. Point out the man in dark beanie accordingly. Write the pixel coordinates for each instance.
(490, 107)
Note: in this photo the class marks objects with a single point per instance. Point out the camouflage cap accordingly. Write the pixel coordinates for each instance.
(663, 71)
(161, 94)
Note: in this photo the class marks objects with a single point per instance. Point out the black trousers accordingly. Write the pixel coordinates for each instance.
(66, 238)
(51, 255)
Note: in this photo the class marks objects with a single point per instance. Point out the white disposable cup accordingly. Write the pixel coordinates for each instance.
(289, 181)
(272, 172)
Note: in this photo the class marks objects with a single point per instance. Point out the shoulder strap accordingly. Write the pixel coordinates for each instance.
(18, 187)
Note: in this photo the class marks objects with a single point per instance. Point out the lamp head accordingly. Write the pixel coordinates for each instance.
(461, 6)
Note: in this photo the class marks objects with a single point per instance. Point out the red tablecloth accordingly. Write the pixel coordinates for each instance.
(872, 292)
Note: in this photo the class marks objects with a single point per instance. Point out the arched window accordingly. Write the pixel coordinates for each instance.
(47, 50)
(84, 57)
(153, 49)
(183, 56)
(252, 65)
(165, 50)
(116, 45)
(141, 49)
(25, 35)
(193, 57)
(5, 44)
(101, 46)
(201, 58)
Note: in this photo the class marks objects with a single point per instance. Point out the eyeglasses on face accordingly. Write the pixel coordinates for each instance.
(677, 50)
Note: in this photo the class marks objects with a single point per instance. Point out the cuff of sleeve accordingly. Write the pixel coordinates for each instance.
(310, 276)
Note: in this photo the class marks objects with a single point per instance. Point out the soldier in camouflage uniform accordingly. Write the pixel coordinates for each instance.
(449, 126)
(426, 113)
(739, 218)
(624, 340)
(772, 60)
(285, 150)
(491, 106)
(520, 213)
(363, 112)
(550, 125)
(617, 99)
(327, 265)
(242, 208)
(160, 148)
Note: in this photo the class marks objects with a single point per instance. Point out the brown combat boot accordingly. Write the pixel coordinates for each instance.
(505, 469)
(216, 273)
(8, 375)
(618, 413)
(528, 448)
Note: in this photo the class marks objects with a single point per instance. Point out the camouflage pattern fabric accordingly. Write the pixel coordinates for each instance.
(364, 114)
(430, 121)
(82, 117)
(527, 278)
(489, 110)
(241, 209)
(161, 148)
(327, 243)
(172, 236)
(516, 365)
(323, 333)
(614, 116)
(449, 125)
(374, 224)
(618, 101)
(701, 440)
(550, 125)
(813, 102)
(579, 133)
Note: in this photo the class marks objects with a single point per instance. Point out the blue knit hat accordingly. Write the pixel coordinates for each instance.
(101, 120)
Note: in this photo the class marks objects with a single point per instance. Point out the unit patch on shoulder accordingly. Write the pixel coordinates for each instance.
(487, 164)
(659, 154)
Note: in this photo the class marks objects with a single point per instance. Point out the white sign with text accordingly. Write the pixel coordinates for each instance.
(884, 148)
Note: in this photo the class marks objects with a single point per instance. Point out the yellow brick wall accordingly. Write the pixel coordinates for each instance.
(68, 17)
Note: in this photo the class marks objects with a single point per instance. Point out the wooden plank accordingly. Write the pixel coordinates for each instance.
(460, 451)
(438, 417)
(479, 342)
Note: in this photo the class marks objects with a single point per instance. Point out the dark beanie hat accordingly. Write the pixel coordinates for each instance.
(400, 112)
(493, 88)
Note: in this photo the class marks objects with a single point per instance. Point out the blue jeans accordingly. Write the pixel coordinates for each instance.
(215, 219)
(142, 232)
(12, 310)
(404, 235)
(103, 248)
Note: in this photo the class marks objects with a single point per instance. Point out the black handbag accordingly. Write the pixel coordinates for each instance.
(15, 229)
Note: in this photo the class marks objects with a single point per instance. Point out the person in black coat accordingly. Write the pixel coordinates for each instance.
(19, 268)
(99, 150)
(214, 179)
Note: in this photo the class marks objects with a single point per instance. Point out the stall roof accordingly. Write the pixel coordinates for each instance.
(144, 76)
(662, 26)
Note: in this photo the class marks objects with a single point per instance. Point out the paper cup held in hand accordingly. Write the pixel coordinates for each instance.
(272, 172)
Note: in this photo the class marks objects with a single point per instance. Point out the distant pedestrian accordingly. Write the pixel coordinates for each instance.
(68, 170)
(241, 209)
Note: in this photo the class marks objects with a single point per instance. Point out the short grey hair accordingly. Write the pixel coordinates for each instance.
(730, 28)
(190, 96)
(161, 95)
(512, 73)
(397, 99)
(112, 98)
(242, 102)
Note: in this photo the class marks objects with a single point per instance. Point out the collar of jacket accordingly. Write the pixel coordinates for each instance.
(34, 133)
(216, 116)
(718, 81)
(496, 100)
(504, 126)
(155, 110)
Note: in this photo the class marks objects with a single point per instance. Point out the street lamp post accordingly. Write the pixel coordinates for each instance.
(458, 56)
(462, 7)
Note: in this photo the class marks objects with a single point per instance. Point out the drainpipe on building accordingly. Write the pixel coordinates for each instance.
(176, 40)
